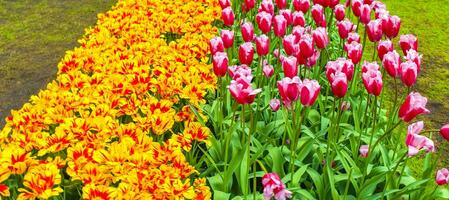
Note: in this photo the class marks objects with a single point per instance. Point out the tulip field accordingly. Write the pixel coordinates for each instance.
(235, 99)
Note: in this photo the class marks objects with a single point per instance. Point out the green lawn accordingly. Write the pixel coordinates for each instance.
(34, 35)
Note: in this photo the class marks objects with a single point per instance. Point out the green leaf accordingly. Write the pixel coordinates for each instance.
(219, 195)
(298, 174)
(442, 193)
(277, 159)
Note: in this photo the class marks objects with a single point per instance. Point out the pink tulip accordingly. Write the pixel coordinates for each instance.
(267, 6)
(391, 26)
(309, 92)
(248, 5)
(392, 63)
(416, 142)
(238, 71)
(353, 37)
(444, 132)
(275, 104)
(415, 128)
(224, 3)
(298, 32)
(414, 105)
(246, 53)
(220, 63)
(289, 89)
(339, 84)
(281, 4)
(367, 66)
(318, 15)
(263, 20)
(228, 38)
(384, 47)
(409, 73)
(216, 45)
(356, 4)
(333, 3)
(372, 79)
(408, 42)
(276, 54)
(340, 65)
(354, 51)
(364, 149)
(376, 5)
(280, 25)
(268, 70)
(290, 46)
(306, 46)
(289, 64)
(227, 15)
(346, 105)
(242, 91)
(262, 45)
(442, 177)
(344, 28)
(339, 12)
(273, 186)
(298, 19)
(287, 15)
(374, 30)
(311, 61)
(247, 31)
(301, 5)
(415, 57)
(381, 14)
(365, 13)
(320, 37)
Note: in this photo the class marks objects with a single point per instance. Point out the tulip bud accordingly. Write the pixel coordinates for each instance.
(444, 132)
(408, 42)
(248, 5)
(374, 30)
(339, 84)
(384, 47)
(392, 63)
(372, 79)
(442, 177)
(356, 4)
(340, 65)
(289, 90)
(216, 45)
(364, 149)
(227, 15)
(320, 37)
(339, 12)
(287, 15)
(298, 19)
(378, 5)
(311, 61)
(409, 73)
(391, 26)
(309, 92)
(280, 25)
(301, 5)
(281, 4)
(318, 15)
(246, 53)
(289, 64)
(306, 46)
(346, 105)
(298, 32)
(276, 53)
(289, 44)
(354, 51)
(267, 6)
(415, 57)
(365, 13)
(224, 3)
(242, 91)
(344, 28)
(239, 71)
(228, 38)
(414, 105)
(275, 104)
(247, 32)
(263, 20)
(268, 70)
(333, 3)
(353, 37)
(220, 63)
(262, 45)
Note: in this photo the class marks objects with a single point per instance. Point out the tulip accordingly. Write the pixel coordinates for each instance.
(301, 5)
(248, 5)
(306, 46)
(344, 27)
(287, 15)
(333, 3)
(281, 4)
(376, 5)
(339, 84)
(246, 53)
(318, 15)
(216, 45)
(339, 12)
(391, 26)
(367, 66)
(415, 128)
(414, 105)
(409, 73)
(320, 37)
(273, 186)
(267, 6)
(289, 90)
(242, 91)
(290, 46)
(289, 64)
(372, 79)
(247, 31)
(442, 177)
(444, 132)
(220, 63)
(227, 15)
(262, 45)
(353, 37)
(408, 42)
(415, 57)
(416, 142)
(381, 14)
(364, 149)
(227, 37)
(268, 70)
(263, 20)
(384, 47)
(340, 65)
(276, 54)
(280, 25)
(298, 32)
(354, 51)
(298, 19)
(311, 61)
(356, 4)
(309, 92)
(374, 30)
(346, 105)
(392, 62)
(224, 3)
(275, 104)
(239, 71)
(365, 13)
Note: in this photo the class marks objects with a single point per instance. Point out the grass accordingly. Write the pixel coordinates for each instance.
(34, 35)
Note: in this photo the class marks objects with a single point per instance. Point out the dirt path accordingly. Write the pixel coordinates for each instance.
(34, 35)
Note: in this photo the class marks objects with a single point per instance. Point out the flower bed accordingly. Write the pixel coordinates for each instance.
(117, 121)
